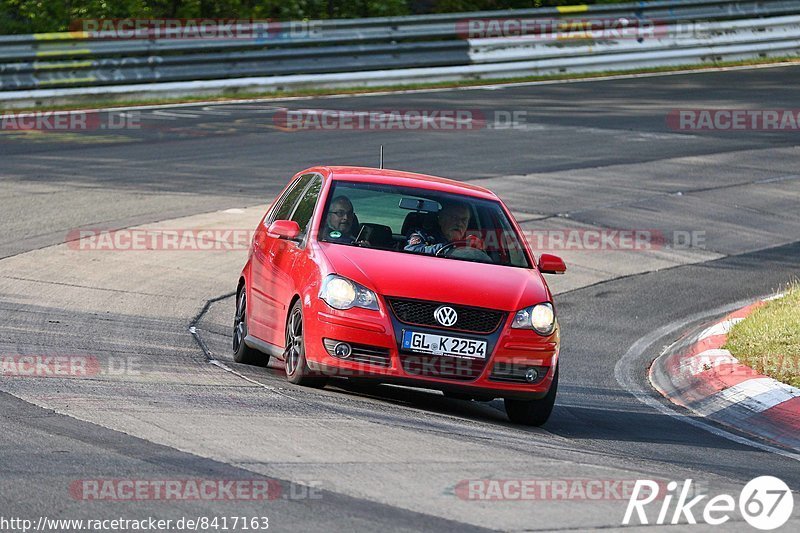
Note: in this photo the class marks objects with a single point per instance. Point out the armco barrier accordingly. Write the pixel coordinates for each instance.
(396, 50)
(687, 36)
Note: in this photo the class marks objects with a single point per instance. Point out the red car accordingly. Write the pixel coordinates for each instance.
(401, 278)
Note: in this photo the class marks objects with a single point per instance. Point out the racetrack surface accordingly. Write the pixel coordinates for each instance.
(587, 155)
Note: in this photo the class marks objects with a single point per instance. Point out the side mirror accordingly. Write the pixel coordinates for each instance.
(284, 229)
(551, 264)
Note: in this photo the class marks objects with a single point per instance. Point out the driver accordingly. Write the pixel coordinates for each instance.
(339, 225)
(452, 222)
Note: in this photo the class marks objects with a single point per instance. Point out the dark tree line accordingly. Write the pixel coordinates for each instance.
(36, 16)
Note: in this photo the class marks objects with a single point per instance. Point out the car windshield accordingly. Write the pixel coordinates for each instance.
(420, 221)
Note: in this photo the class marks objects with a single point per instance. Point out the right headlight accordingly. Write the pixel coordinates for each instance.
(342, 293)
(541, 318)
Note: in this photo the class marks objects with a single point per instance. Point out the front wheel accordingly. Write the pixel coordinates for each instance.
(532, 412)
(294, 357)
(242, 353)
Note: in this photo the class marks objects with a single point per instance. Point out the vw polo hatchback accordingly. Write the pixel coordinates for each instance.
(400, 278)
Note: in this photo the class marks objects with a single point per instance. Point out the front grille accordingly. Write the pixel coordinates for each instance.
(435, 366)
(362, 353)
(470, 319)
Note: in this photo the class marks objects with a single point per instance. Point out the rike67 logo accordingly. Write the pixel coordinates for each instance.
(765, 503)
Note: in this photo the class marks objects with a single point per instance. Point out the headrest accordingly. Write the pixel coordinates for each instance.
(419, 220)
(377, 235)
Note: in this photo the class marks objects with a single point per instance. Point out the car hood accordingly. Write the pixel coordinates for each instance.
(439, 279)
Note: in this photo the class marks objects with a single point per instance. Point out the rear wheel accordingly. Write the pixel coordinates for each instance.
(242, 353)
(532, 412)
(297, 370)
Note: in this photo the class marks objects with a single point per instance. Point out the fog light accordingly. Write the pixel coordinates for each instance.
(343, 350)
(531, 375)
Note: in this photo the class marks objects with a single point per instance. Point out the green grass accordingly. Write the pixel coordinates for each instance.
(99, 102)
(769, 339)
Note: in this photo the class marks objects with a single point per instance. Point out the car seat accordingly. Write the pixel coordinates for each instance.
(419, 220)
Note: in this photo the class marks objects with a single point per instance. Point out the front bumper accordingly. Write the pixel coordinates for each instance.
(511, 352)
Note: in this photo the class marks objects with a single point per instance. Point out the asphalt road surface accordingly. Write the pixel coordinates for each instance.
(167, 405)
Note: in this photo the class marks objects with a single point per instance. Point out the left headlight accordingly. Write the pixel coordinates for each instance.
(541, 318)
(342, 293)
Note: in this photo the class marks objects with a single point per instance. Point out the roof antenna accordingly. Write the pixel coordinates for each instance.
(381, 167)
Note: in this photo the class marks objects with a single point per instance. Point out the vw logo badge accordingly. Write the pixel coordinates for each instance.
(445, 316)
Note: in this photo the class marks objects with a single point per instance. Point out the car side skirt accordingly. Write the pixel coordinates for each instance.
(263, 346)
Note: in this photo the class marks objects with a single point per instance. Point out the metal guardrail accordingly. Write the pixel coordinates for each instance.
(774, 30)
(415, 48)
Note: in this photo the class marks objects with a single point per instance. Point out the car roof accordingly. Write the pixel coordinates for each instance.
(407, 179)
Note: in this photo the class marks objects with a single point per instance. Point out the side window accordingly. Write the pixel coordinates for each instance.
(287, 203)
(305, 207)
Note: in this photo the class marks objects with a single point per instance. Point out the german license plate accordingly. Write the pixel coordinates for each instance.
(443, 345)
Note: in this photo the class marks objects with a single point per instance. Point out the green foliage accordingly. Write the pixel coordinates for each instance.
(38, 16)
(454, 6)
(769, 339)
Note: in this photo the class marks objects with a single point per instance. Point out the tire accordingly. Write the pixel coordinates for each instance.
(294, 357)
(532, 412)
(242, 353)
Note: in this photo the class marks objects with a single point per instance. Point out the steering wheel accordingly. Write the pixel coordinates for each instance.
(463, 250)
(448, 248)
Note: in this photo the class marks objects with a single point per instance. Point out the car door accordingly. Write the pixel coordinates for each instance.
(265, 306)
(285, 255)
